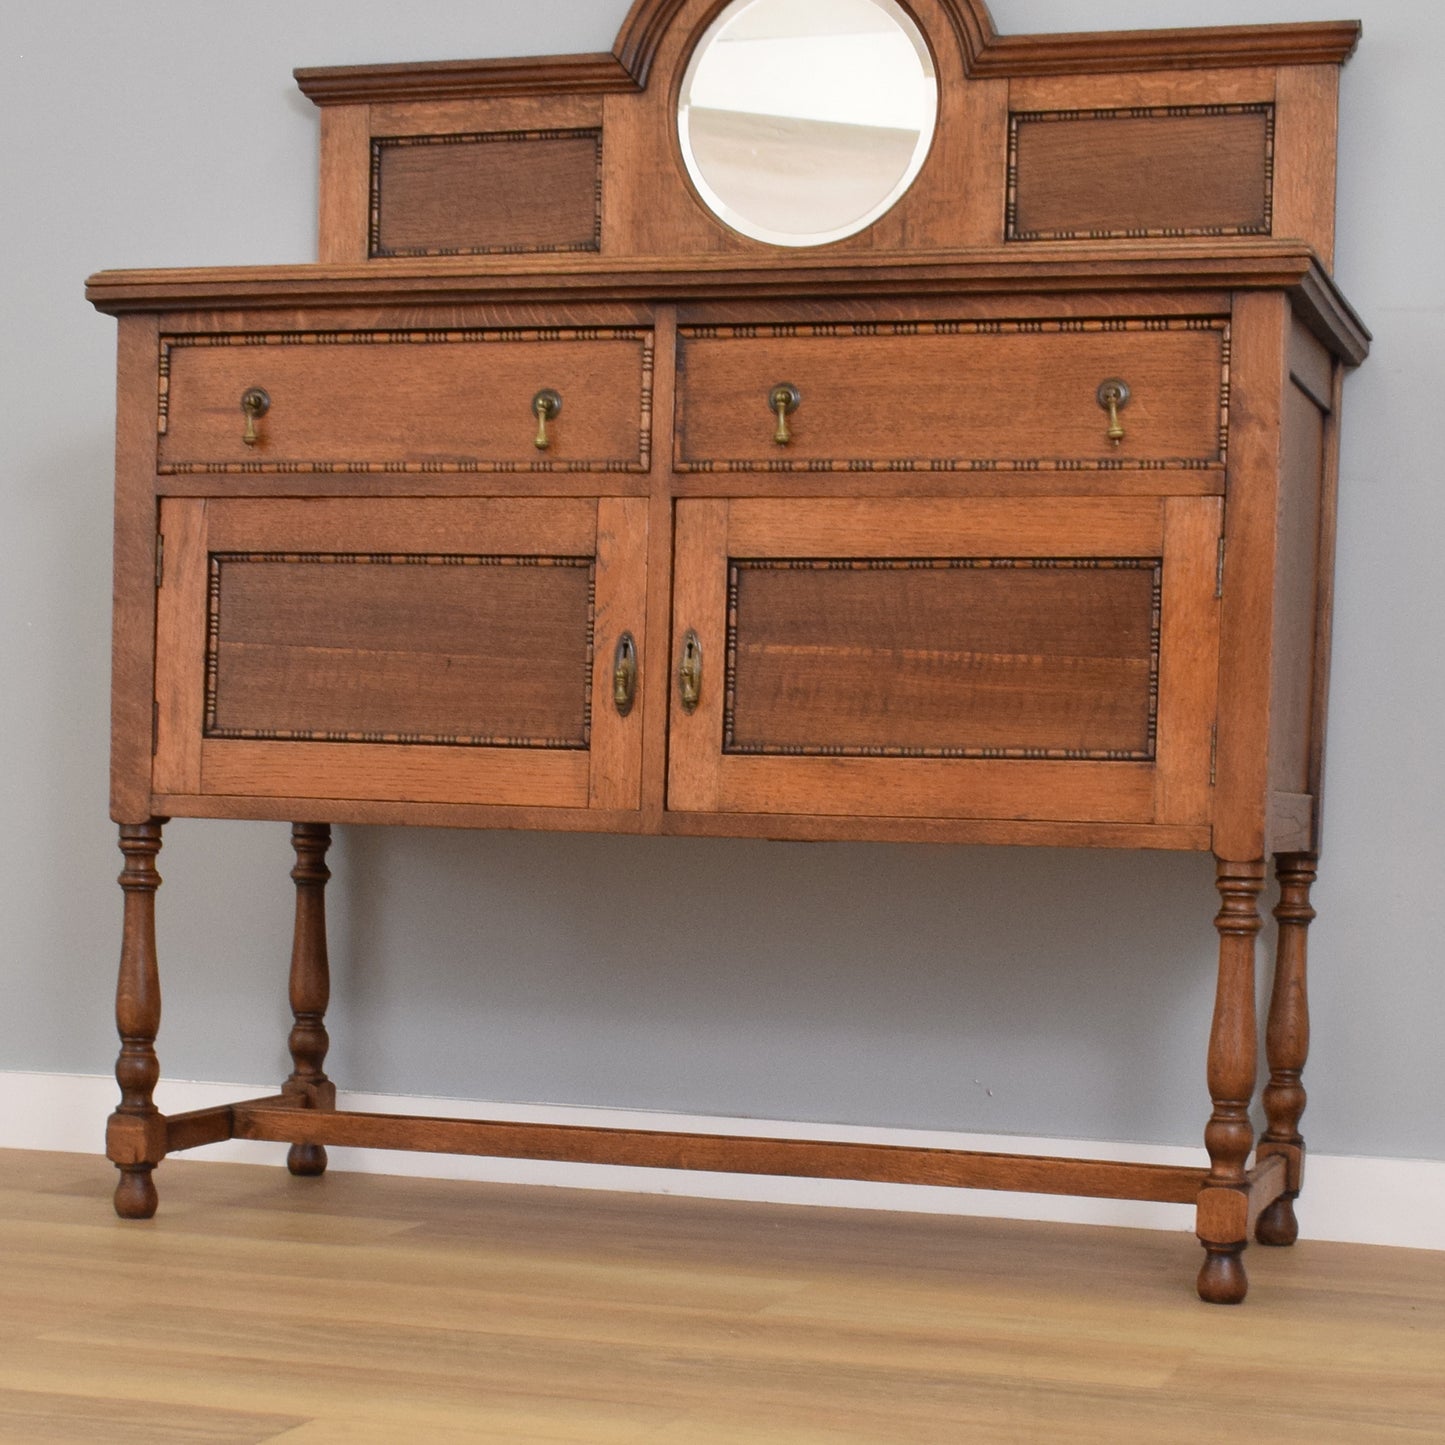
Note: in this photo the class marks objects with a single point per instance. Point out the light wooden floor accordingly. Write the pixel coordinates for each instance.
(353, 1309)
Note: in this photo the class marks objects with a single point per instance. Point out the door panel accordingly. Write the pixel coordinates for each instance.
(441, 651)
(424, 648)
(943, 658)
(967, 658)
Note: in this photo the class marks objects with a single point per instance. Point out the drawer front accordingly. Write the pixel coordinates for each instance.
(975, 659)
(953, 396)
(426, 650)
(411, 401)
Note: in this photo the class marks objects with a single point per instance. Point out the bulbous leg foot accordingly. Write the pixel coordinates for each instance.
(1277, 1224)
(1222, 1280)
(135, 1192)
(306, 1160)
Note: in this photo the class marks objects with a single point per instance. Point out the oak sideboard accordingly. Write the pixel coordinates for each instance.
(564, 492)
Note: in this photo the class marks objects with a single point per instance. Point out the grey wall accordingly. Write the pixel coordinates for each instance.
(1034, 992)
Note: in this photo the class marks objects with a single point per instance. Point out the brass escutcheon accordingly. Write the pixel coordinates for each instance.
(624, 674)
(689, 672)
(546, 406)
(1113, 396)
(784, 399)
(255, 404)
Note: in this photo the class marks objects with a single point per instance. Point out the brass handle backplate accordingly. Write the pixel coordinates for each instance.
(624, 674)
(689, 672)
(783, 400)
(1113, 396)
(546, 406)
(255, 404)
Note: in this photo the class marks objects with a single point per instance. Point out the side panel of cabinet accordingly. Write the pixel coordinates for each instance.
(424, 650)
(1302, 594)
(133, 605)
(952, 658)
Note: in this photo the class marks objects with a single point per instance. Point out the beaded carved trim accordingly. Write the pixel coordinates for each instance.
(1045, 117)
(1152, 565)
(380, 144)
(1072, 326)
(218, 560)
(471, 336)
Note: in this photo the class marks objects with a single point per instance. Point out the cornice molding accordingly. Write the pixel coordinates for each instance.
(642, 33)
(1235, 266)
(986, 55)
(466, 79)
(1212, 48)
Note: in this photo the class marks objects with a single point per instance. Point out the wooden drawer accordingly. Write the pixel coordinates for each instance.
(954, 396)
(406, 401)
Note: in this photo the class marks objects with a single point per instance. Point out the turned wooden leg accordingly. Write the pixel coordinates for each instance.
(1223, 1222)
(1287, 1043)
(135, 1138)
(310, 989)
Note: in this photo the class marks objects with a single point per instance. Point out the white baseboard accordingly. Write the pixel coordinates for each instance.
(1351, 1199)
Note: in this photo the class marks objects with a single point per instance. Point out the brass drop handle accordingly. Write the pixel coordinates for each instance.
(689, 672)
(546, 406)
(784, 399)
(624, 674)
(255, 404)
(1113, 396)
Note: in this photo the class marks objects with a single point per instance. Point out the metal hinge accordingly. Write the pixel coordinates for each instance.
(155, 727)
(1213, 753)
(160, 560)
(1219, 572)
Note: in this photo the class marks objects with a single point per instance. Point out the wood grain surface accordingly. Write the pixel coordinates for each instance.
(951, 396)
(460, 649)
(436, 195)
(942, 658)
(365, 1310)
(1126, 174)
(418, 398)
(423, 649)
(989, 277)
(1022, 776)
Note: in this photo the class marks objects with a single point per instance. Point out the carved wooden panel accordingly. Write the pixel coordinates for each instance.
(953, 395)
(948, 657)
(399, 649)
(385, 648)
(408, 401)
(486, 194)
(1146, 171)
(944, 658)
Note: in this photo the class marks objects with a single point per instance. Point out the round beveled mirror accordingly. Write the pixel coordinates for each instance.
(804, 121)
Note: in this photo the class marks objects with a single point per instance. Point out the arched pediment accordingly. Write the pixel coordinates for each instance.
(1039, 138)
(649, 20)
(987, 53)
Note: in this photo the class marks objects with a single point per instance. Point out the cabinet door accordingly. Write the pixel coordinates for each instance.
(971, 658)
(434, 650)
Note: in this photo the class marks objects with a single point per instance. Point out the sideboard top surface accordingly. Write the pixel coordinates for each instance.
(1237, 265)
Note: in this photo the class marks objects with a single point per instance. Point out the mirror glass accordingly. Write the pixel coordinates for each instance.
(803, 121)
